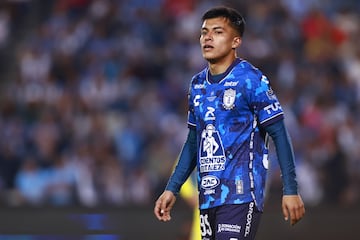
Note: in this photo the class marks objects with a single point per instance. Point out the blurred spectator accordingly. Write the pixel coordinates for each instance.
(31, 183)
(4, 28)
(60, 190)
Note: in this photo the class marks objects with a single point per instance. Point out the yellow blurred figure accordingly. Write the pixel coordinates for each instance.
(189, 192)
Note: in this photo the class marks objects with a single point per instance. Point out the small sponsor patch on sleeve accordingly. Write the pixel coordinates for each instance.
(239, 187)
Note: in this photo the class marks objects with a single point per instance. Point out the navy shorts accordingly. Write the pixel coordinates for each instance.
(230, 222)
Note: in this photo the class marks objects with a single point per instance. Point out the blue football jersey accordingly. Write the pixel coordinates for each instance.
(229, 116)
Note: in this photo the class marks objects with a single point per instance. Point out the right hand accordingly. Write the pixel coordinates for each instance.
(164, 205)
(293, 208)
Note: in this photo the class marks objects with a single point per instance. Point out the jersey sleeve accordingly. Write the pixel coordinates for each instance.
(263, 100)
(285, 154)
(191, 121)
(185, 165)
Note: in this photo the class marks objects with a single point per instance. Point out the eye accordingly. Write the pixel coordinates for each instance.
(203, 33)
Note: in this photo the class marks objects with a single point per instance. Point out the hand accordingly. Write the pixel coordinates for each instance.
(293, 207)
(164, 205)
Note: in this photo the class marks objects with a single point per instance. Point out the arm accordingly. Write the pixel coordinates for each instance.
(183, 169)
(185, 165)
(292, 204)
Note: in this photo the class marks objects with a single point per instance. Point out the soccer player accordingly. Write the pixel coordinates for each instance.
(232, 112)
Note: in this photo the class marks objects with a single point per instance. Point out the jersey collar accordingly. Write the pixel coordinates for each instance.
(218, 77)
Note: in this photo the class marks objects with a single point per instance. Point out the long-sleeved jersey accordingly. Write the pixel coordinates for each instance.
(229, 116)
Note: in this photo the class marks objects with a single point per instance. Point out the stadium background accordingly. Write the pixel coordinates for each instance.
(93, 112)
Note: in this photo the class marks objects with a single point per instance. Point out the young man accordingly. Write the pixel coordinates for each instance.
(232, 110)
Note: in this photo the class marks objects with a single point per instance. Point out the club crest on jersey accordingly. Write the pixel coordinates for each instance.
(229, 99)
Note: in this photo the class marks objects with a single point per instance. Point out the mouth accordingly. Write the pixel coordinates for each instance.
(207, 47)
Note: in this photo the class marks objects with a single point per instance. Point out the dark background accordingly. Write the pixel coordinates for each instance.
(132, 223)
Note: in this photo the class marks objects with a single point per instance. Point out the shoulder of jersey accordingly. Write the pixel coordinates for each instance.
(247, 71)
(246, 66)
(200, 75)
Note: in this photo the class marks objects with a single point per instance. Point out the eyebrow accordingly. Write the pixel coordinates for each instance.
(214, 28)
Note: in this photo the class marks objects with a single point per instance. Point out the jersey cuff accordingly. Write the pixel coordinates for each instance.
(272, 120)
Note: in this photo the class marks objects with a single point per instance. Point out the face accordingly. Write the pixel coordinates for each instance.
(218, 40)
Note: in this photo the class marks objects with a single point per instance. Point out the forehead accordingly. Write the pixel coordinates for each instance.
(218, 22)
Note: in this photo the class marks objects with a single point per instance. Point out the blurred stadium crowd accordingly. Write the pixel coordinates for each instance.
(94, 98)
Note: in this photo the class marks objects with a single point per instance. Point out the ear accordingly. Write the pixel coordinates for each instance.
(236, 42)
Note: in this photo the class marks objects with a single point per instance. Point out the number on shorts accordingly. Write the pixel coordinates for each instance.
(205, 225)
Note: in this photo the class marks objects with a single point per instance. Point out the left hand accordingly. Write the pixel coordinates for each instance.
(164, 205)
(293, 207)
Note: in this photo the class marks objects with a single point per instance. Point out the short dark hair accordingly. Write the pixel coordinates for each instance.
(236, 20)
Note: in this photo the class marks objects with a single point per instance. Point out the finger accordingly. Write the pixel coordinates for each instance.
(157, 211)
(293, 217)
(297, 216)
(166, 216)
(295, 220)
(300, 211)
(160, 212)
(285, 212)
(163, 207)
(165, 210)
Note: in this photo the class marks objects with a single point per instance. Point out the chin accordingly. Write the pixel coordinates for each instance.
(208, 58)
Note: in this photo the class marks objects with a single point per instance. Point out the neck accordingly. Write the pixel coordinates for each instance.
(220, 66)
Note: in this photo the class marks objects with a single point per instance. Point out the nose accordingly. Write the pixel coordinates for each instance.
(208, 36)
